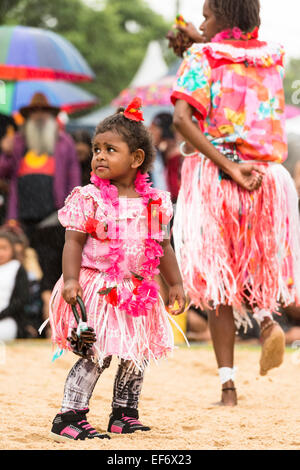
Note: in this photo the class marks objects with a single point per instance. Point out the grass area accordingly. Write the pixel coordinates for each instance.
(46, 343)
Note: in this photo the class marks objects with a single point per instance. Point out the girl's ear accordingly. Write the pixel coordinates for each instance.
(138, 158)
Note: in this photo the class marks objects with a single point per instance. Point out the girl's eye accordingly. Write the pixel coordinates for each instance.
(97, 150)
(110, 149)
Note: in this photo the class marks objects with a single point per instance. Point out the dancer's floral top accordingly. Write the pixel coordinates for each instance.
(119, 242)
(237, 95)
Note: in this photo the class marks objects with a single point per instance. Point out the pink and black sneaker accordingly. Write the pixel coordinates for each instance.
(73, 425)
(125, 421)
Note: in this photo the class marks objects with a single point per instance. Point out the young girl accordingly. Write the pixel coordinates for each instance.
(116, 237)
(14, 290)
(236, 228)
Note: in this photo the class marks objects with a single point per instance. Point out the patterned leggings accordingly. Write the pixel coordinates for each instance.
(84, 375)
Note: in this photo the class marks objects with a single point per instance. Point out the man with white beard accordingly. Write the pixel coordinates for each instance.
(45, 170)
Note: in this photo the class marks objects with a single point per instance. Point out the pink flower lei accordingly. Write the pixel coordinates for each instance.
(235, 33)
(142, 298)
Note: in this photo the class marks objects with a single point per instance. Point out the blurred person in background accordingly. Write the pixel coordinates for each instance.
(197, 325)
(296, 176)
(83, 144)
(290, 319)
(292, 164)
(7, 132)
(158, 130)
(33, 310)
(167, 142)
(45, 170)
(14, 290)
(161, 131)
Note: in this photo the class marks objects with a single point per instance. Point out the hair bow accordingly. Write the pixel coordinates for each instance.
(133, 110)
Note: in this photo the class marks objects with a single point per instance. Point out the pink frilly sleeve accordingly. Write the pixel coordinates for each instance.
(78, 207)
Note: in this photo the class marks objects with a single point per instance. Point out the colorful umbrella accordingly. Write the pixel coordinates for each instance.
(156, 94)
(32, 53)
(68, 97)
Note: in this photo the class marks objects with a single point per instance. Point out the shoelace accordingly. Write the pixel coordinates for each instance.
(131, 420)
(87, 426)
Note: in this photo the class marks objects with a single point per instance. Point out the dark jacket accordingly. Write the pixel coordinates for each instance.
(19, 298)
(67, 171)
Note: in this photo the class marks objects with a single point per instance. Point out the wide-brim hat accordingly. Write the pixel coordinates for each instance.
(39, 102)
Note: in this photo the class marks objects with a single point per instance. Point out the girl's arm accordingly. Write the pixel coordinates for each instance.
(248, 176)
(170, 271)
(72, 253)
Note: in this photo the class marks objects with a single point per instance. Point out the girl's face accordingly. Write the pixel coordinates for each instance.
(112, 158)
(210, 27)
(20, 252)
(6, 251)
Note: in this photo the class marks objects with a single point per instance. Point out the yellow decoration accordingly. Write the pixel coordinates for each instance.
(180, 20)
(181, 321)
(226, 129)
(35, 161)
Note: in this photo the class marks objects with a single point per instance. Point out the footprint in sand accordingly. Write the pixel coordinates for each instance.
(190, 428)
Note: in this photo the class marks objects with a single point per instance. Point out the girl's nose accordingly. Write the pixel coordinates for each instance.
(99, 155)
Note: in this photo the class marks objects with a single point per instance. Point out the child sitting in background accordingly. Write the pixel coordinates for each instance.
(14, 290)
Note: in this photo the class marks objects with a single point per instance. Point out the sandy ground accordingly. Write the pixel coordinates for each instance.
(178, 402)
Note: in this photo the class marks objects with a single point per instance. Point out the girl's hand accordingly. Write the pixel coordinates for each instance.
(179, 42)
(191, 31)
(247, 175)
(176, 293)
(71, 290)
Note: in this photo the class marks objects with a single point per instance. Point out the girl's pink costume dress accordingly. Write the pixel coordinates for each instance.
(131, 338)
(237, 247)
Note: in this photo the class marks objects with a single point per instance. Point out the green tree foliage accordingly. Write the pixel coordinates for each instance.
(113, 40)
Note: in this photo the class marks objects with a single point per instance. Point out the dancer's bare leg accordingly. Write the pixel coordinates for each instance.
(222, 328)
(272, 339)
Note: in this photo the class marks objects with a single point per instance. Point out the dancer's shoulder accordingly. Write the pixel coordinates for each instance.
(253, 52)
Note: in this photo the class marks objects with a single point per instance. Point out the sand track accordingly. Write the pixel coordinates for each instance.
(178, 402)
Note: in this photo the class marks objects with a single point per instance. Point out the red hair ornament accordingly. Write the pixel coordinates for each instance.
(133, 112)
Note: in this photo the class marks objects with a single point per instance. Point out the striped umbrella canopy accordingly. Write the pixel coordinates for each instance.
(64, 95)
(28, 53)
(156, 94)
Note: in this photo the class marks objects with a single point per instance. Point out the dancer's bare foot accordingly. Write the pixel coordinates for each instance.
(229, 396)
(273, 346)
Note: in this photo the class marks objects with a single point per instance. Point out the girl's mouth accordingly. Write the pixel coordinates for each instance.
(101, 167)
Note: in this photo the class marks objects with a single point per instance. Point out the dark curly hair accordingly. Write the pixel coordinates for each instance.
(134, 133)
(244, 14)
